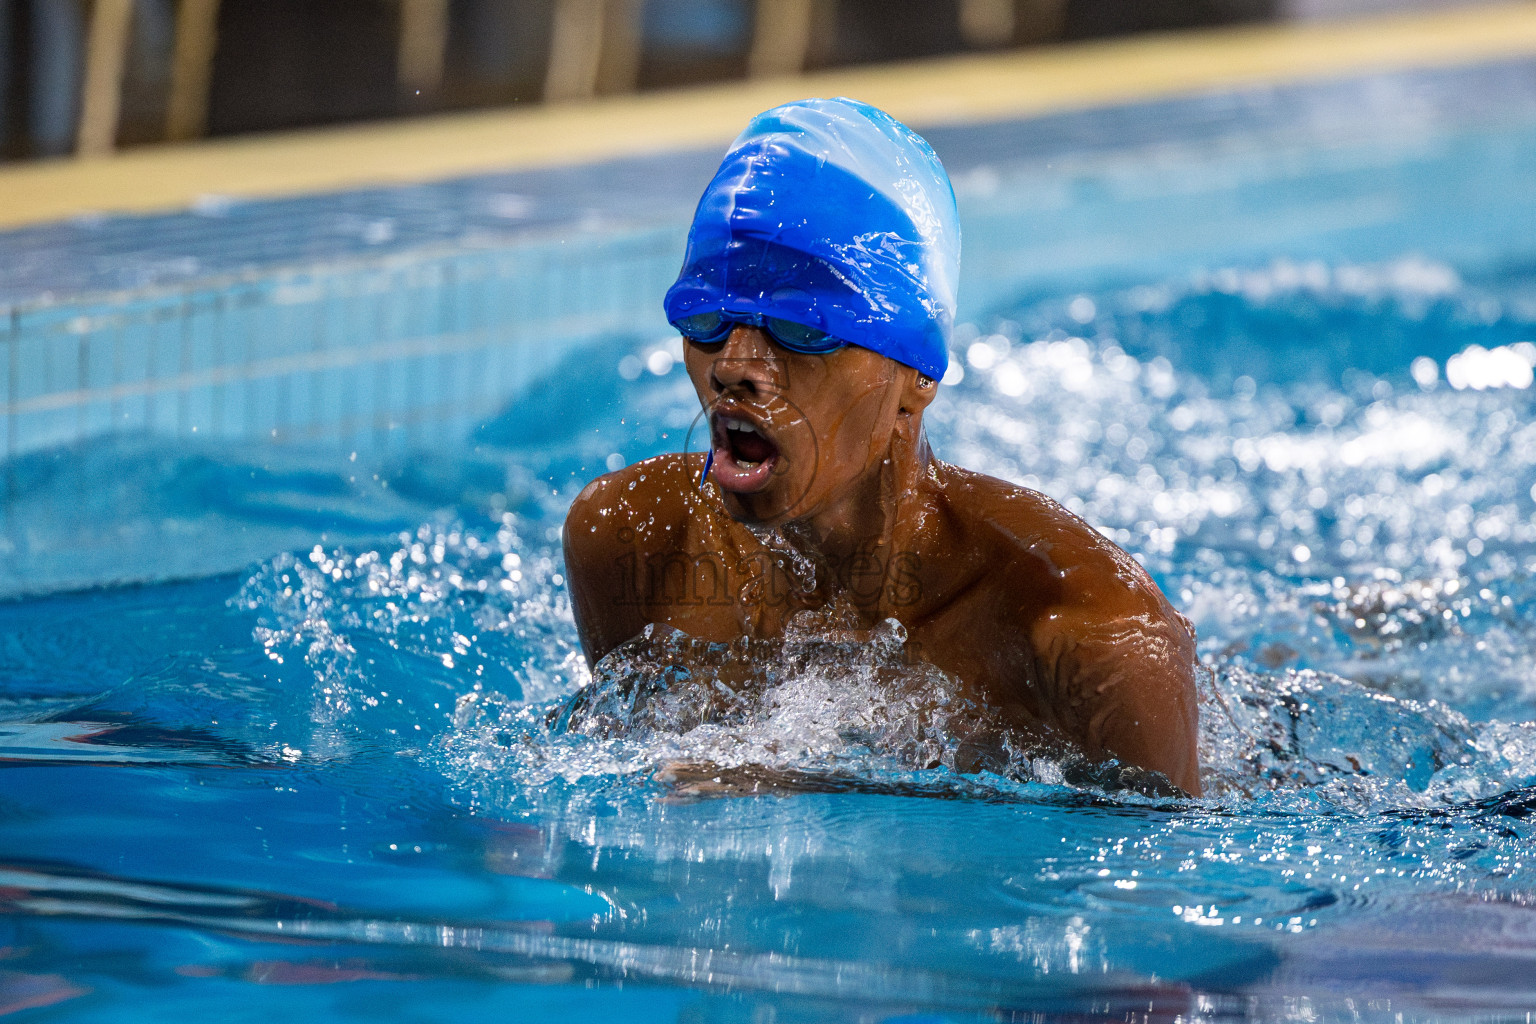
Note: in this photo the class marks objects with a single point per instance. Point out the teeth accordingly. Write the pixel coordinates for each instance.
(739, 425)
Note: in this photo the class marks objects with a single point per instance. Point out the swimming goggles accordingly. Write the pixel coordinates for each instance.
(713, 328)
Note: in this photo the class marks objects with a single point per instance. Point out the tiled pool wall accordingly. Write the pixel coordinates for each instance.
(408, 348)
(404, 316)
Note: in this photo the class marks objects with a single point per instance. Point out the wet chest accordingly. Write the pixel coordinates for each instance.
(982, 639)
(976, 629)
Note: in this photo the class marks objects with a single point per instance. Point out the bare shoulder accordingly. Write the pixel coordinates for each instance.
(618, 509)
(621, 516)
(1113, 661)
(1032, 531)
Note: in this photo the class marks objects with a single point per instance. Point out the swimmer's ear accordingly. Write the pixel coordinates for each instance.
(917, 390)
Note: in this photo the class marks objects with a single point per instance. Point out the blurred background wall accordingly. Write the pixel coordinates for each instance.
(89, 76)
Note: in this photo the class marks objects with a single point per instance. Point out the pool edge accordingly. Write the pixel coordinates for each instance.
(950, 90)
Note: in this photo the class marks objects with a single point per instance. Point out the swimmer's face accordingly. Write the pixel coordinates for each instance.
(791, 432)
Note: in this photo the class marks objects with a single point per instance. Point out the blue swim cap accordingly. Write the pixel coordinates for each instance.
(836, 216)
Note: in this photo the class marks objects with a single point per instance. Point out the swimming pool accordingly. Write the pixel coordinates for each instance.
(1278, 343)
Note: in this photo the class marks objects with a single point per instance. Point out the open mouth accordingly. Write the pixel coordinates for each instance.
(744, 454)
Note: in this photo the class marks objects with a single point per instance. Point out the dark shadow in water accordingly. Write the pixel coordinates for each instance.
(536, 952)
(75, 743)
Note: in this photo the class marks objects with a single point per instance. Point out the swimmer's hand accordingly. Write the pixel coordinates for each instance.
(700, 780)
(692, 780)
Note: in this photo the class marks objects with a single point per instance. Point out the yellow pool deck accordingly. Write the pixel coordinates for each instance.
(924, 93)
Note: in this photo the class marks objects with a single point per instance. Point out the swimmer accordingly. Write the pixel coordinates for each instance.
(816, 302)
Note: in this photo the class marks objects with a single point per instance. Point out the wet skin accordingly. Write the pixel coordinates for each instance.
(821, 460)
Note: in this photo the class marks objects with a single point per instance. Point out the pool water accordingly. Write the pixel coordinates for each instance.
(350, 780)
(327, 786)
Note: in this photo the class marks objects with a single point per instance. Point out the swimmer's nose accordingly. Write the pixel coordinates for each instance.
(746, 362)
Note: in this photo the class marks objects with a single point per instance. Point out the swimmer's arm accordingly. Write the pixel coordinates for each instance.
(1123, 680)
(600, 575)
(1113, 662)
